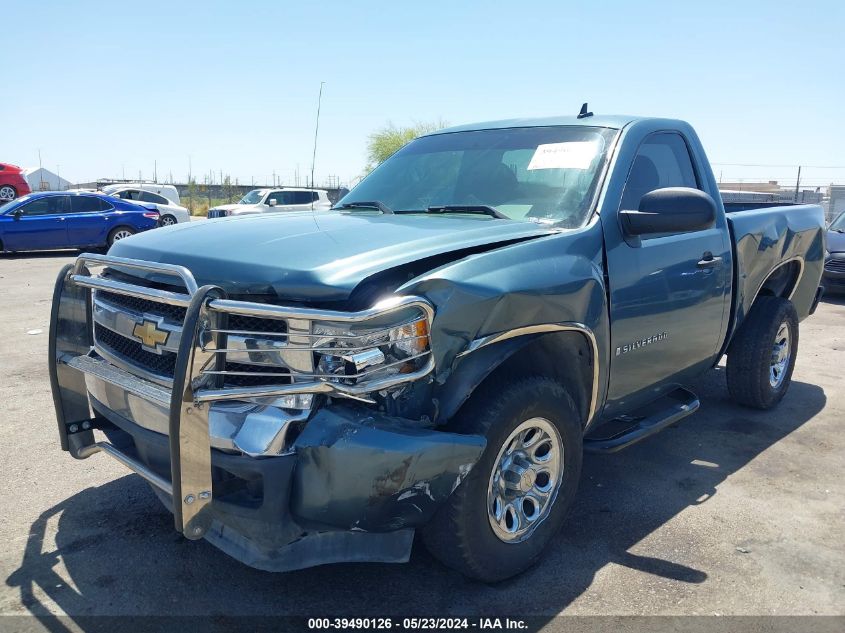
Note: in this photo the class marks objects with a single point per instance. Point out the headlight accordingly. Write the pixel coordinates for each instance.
(360, 353)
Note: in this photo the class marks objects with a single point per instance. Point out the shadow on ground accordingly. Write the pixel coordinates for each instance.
(121, 556)
(41, 254)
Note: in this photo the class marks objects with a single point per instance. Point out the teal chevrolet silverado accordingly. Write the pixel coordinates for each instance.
(436, 352)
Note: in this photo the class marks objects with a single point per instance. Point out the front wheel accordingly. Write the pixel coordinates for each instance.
(762, 355)
(500, 519)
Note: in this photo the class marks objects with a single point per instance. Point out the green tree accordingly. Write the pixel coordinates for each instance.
(386, 141)
(228, 191)
(192, 192)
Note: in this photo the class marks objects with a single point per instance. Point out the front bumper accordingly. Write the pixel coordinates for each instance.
(833, 275)
(351, 486)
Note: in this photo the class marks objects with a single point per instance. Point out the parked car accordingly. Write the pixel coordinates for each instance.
(168, 191)
(12, 183)
(70, 220)
(834, 263)
(170, 212)
(271, 200)
(437, 353)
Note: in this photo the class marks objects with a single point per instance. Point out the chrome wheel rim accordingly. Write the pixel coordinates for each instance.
(121, 235)
(168, 221)
(780, 356)
(525, 480)
(7, 193)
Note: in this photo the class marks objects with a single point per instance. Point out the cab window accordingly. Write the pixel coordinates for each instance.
(129, 194)
(663, 160)
(88, 204)
(281, 197)
(304, 197)
(45, 206)
(148, 196)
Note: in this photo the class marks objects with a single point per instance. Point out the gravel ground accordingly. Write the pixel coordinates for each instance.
(732, 512)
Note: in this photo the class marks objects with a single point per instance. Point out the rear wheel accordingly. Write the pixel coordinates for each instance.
(168, 220)
(7, 193)
(499, 520)
(120, 233)
(761, 357)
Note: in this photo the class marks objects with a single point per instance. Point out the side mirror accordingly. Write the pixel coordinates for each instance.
(17, 213)
(670, 210)
(272, 202)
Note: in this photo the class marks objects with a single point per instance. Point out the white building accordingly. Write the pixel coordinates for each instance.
(40, 179)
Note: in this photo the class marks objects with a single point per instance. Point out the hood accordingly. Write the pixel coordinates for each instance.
(313, 257)
(835, 242)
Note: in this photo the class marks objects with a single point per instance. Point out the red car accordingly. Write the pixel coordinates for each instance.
(12, 183)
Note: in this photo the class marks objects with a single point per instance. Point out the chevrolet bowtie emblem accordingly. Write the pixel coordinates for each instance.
(149, 334)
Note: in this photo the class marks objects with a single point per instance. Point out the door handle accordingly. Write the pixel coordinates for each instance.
(708, 261)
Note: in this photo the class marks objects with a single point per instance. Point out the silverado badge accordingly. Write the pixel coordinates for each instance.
(149, 334)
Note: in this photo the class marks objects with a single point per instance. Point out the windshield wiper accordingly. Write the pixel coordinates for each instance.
(370, 204)
(467, 208)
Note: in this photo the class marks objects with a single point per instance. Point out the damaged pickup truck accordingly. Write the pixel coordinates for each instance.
(438, 351)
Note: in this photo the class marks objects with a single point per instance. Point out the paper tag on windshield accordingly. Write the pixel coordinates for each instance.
(571, 155)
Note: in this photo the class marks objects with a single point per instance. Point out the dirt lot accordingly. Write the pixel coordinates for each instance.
(731, 512)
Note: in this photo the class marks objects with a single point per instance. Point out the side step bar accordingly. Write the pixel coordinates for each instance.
(682, 403)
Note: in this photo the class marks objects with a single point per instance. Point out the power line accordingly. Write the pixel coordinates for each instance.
(782, 166)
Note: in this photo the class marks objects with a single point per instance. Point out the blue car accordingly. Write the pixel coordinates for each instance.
(52, 219)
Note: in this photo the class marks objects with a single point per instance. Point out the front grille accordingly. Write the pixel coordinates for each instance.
(835, 265)
(163, 364)
(254, 381)
(243, 323)
(136, 304)
(216, 213)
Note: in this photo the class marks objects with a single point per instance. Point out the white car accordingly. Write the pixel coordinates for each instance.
(170, 212)
(273, 200)
(168, 191)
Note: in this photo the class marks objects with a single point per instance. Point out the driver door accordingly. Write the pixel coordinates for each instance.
(41, 225)
(667, 311)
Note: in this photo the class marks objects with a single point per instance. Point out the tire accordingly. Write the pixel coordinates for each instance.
(759, 368)
(168, 220)
(461, 534)
(120, 233)
(7, 193)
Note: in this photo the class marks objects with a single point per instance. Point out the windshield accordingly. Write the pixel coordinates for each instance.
(839, 223)
(539, 174)
(11, 205)
(253, 197)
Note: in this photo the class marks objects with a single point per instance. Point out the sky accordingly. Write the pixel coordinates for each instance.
(112, 89)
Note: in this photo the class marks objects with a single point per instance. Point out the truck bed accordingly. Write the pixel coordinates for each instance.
(769, 237)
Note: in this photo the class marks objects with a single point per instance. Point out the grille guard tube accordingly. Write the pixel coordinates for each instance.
(190, 445)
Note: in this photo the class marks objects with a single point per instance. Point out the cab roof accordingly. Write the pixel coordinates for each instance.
(613, 121)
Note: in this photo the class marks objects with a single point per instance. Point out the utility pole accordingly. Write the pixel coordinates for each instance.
(155, 171)
(316, 130)
(59, 176)
(797, 184)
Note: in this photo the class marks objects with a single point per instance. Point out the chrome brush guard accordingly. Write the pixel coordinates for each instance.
(198, 373)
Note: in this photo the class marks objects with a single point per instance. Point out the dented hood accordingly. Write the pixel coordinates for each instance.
(313, 256)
